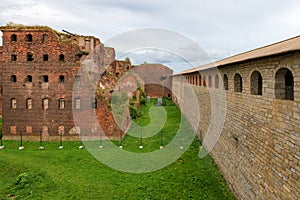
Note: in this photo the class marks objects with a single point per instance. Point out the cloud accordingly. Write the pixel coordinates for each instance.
(220, 28)
(158, 46)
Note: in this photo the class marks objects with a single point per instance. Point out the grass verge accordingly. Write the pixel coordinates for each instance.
(72, 173)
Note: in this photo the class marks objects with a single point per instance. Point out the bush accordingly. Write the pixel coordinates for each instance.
(143, 101)
(134, 112)
(22, 180)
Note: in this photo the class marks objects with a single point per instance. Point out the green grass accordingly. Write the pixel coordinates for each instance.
(170, 128)
(72, 173)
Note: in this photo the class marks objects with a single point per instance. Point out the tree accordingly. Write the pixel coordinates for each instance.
(128, 60)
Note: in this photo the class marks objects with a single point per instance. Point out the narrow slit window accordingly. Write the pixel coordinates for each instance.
(13, 102)
(28, 79)
(45, 104)
(13, 38)
(13, 78)
(61, 78)
(29, 57)
(45, 79)
(45, 38)
(29, 104)
(61, 103)
(28, 38)
(13, 57)
(61, 57)
(45, 57)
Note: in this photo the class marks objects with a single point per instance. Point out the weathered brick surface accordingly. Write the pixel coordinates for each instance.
(44, 41)
(77, 59)
(113, 79)
(157, 79)
(1, 61)
(258, 149)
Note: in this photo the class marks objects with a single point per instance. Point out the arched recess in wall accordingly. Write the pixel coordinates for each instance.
(61, 78)
(216, 81)
(13, 78)
(13, 103)
(204, 81)
(284, 84)
(200, 80)
(238, 83)
(61, 57)
(225, 81)
(256, 83)
(44, 38)
(29, 56)
(61, 103)
(28, 38)
(13, 38)
(29, 103)
(45, 104)
(28, 79)
(209, 81)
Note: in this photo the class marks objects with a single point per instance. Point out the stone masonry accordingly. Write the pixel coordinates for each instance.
(258, 150)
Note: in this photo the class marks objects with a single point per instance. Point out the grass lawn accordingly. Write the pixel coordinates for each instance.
(72, 173)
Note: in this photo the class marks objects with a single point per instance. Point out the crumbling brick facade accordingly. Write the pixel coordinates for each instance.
(39, 69)
(157, 79)
(39, 66)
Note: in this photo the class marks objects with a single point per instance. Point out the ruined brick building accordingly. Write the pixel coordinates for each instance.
(38, 69)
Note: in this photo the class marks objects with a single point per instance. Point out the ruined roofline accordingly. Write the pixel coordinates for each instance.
(12, 26)
(21, 27)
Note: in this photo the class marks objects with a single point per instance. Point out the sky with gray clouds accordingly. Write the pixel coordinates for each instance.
(220, 28)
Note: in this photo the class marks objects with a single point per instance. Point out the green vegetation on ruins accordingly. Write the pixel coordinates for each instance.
(72, 173)
(62, 37)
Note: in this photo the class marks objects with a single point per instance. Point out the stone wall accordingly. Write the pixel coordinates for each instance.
(258, 150)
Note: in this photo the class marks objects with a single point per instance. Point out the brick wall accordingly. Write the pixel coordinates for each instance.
(39, 63)
(157, 79)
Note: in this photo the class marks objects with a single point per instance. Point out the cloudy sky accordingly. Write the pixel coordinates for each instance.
(220, 28)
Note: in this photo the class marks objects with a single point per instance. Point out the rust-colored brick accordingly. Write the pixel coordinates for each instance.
(38, 69)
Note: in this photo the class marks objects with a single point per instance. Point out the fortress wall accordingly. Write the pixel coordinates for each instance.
(258, 150)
